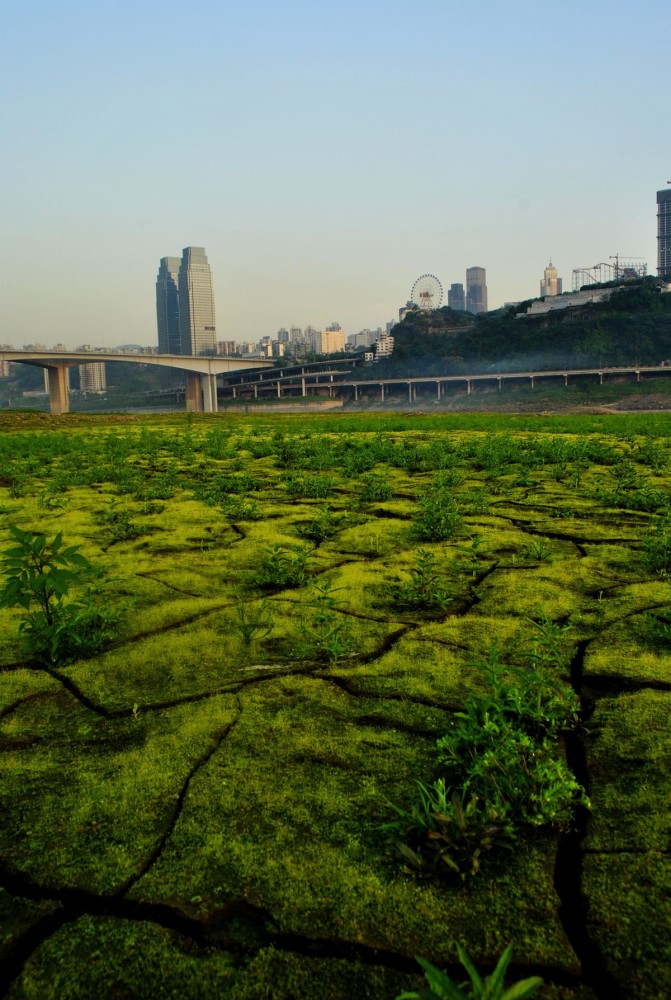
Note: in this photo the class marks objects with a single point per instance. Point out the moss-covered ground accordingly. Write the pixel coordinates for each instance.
(196, 811)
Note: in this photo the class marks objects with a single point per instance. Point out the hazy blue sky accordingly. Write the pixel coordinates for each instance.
(325, 154)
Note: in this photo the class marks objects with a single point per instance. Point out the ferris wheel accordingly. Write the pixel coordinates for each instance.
(427, 292)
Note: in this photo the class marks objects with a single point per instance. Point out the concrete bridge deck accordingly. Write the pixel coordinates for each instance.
(200, 372)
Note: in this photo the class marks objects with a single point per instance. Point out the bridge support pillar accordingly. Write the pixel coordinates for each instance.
(382, 392)
(469, 387)
(206, 389)
(303, 392)
(192, 392)
(256, 391)
(59, 399)
(356, 393)
(279, 389)
(533, 384)
(438, 390)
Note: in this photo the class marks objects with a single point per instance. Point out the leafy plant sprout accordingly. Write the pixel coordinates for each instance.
(42, 575)
(441, 987)
(253, 621)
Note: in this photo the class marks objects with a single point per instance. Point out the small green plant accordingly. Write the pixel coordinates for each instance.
(238, 508)
(325, 524)
(326, 634)
(657, 547)
(438, 517)
(503, 774)
(252, 621)
(61, 621)
(375, 488)
(119, 523)
(448, 830)
(283, 566)
(441, 987)
(538, 550)
(425, 590)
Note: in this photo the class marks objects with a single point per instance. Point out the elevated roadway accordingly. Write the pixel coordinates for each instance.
(200, 372)
(334, 381)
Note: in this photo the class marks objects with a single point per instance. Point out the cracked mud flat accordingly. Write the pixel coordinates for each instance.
(188, 815)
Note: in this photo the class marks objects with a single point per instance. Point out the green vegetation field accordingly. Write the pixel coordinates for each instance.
(220, 803)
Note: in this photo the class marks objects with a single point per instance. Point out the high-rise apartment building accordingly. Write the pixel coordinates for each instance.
(476, 290)
(167, 306)
(196, 303)
(456, 298)
(551, 284)
(664, 234)
(92, 377)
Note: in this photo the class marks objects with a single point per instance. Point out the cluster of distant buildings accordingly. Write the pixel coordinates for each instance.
(186, 323)
(86, 378)
(473, 298)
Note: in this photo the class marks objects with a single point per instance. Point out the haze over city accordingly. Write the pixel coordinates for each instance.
(325, 155)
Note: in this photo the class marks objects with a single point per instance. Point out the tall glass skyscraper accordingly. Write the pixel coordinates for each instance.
(664, 234)
(456, 298)
(476, 290)
(196, 303)
(167, 306)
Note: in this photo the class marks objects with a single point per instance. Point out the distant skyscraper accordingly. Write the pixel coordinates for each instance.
(476, 290)
(167, 306)
(664, 234)
(550, 283)
(196, 303)
(456, 298)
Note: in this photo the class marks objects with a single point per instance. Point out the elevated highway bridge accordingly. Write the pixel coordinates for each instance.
(200, 372)
(337, 382)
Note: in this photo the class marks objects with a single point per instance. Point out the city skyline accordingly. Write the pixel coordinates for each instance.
(330, 161)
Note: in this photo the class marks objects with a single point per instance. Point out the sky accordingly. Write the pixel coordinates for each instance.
(326, 154)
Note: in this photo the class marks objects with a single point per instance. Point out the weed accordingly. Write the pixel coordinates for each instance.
(252, 621)
(502, 775)
(283, 566)
(239, 509)
(448, 830)
(438, 517)
(42, 575)
(119, 523)
(537, 550)
(326, 634)
(657, 547)
(375, 488)
(325, 524)
(310, 487)
(441, 987)
(424, 591)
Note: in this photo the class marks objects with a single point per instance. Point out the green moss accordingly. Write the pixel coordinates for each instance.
(123, 959)
(18, 915)
(629, 759)
(285, 813)
(624, 649)
(93, 797)
(628, 916)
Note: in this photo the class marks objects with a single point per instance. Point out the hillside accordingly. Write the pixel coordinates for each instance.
(634, 326)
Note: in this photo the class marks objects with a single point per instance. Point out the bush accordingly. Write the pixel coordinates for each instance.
(438, 517)
(56, 627)
(283, 566)
(424, 591)
(503, 774)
